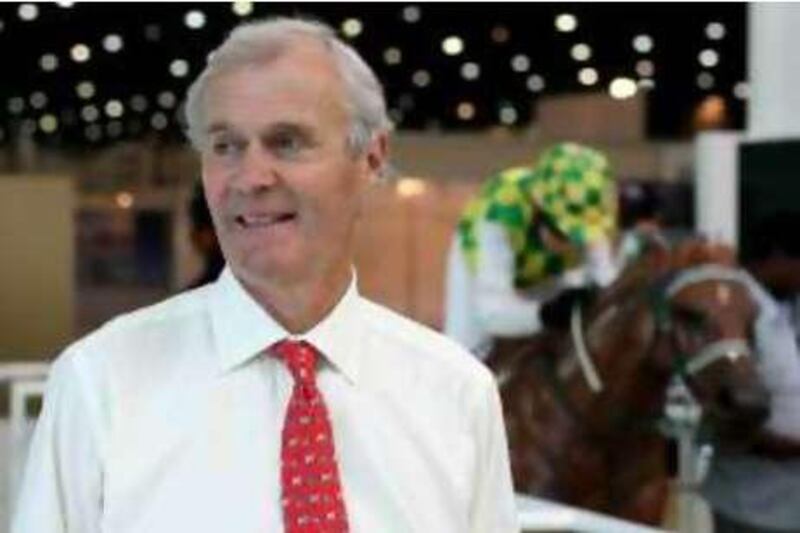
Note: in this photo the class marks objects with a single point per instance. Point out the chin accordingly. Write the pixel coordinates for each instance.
(274, 267)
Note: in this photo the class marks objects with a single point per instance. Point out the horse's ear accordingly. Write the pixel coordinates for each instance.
(723, 254)
(657, 260)
(699, 250)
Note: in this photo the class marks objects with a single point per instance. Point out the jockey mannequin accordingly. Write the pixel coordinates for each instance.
(530, 234)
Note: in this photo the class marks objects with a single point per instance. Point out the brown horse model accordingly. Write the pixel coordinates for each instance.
(581, 406)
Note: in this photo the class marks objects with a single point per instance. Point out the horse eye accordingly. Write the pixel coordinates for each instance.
(691, 318)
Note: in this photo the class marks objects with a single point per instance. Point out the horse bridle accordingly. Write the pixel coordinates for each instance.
(710, 354)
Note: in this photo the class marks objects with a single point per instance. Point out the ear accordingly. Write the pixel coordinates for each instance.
(377, 155)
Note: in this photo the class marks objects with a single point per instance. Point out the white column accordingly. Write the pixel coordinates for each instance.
(774, 65)
(716, 188)
(773, 112)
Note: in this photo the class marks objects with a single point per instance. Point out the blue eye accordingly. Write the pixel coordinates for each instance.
(286, 144)
(225, 147)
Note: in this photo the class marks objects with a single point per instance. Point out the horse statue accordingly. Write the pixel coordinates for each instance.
(582, 405)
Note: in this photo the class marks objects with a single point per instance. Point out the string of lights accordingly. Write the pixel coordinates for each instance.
(78, 74)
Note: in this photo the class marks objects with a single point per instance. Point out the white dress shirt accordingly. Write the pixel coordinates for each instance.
(486, 304)
(168, 420)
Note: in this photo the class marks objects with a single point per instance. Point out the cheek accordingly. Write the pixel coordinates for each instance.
(335, 199)
(213, 184)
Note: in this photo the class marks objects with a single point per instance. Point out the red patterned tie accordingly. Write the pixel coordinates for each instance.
(311, 493)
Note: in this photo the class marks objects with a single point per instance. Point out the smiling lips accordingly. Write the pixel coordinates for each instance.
(264, 220)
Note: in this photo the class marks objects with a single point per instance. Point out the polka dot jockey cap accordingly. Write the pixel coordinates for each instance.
(574, 188)
(571, 187)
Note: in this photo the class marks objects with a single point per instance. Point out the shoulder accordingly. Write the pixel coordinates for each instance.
(507, 182)
(134, 334)
(421, 349)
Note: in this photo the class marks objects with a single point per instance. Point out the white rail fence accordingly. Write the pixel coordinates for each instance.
(25, 381)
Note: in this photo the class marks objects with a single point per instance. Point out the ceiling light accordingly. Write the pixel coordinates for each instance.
(520, 63)
(159, 121)
(166, 99)
(708, 58)
(28, 12)
(622, 88)
(581, 52)
(38, 100)
(124, 200)
(705, 80)
(643, 43)
(80, 53)
(715, 31)
(114, 108)
(179, 68)
(89, 113)
(48, 123)
(85, 90)
(508, 115)
(195, 19)
(48, 62)
(93, 132)
(465, 111)
(421, 78)
(587, 76)
(566, 22)
(16, 105)
(500, 34)
(112, 43)
(470, 71)
(242, 8)
(138, 103)
(645, 68)
(392, 56)
(535, 83)
(453, 45)
(352, 27)
(411, 14)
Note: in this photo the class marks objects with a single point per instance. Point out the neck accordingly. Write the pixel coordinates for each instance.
(299, 305)
(620, 346)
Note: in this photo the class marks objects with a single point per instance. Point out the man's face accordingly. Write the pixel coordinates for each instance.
(283, 188)
(553, 239)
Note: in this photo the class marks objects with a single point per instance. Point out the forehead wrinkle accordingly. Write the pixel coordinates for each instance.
(283, 125)
(225, 97)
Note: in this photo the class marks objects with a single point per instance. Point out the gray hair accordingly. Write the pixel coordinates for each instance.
(256, 41)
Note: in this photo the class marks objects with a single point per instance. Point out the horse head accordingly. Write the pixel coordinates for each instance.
(583, 406)
(704, 312)
(684, 314)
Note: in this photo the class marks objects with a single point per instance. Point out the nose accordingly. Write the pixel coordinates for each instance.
(257, 170)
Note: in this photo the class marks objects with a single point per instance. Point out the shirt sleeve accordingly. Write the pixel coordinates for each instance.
(779, 366)
(600, 265)
(493, 504)
(61, 489)
(502, 310)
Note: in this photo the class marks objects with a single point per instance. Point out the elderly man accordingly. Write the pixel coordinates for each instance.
(277, 398)
(530, 234)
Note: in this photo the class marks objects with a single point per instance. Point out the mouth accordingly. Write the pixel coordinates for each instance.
(264, 220)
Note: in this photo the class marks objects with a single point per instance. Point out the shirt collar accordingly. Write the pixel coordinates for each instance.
(242, 329)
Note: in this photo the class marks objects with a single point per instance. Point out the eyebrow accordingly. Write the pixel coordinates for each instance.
(272, 128)
(217, 127)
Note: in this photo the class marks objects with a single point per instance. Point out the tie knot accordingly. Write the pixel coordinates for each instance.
(300, 358)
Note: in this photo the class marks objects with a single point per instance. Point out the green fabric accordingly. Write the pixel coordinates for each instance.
(571, 187)
(575, 188)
